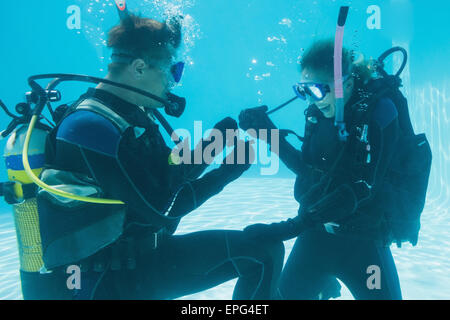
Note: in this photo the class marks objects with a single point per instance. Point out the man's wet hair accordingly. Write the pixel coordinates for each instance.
(145, 38)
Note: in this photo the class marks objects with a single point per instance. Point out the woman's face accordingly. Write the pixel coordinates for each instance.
(328, 104)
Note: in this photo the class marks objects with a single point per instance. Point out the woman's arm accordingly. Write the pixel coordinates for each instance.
(290, 156)
(257, 119)
(383, 137)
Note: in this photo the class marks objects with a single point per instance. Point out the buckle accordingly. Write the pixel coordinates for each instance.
(331, 227)
(157, 236)
(44, 270)
(155, 241)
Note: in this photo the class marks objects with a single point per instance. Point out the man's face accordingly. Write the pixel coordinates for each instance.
(151, 76)
(157, 79)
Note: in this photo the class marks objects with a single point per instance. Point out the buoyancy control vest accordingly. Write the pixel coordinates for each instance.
(406, 180)
(405, 183)
(73, 230)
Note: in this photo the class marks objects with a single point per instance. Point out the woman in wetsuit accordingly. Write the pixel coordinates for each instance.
(108, 145)
(340, 226)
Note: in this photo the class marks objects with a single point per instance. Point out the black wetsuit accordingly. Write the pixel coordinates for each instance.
(319, 256)
(134, 167)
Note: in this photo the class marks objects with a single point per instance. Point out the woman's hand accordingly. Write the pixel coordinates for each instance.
(280, 231)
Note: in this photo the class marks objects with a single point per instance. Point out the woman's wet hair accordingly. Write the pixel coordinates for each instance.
(145, 38)
(320, 58)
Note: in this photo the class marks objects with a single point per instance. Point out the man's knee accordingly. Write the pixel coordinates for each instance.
(271, 254)
(276, 250)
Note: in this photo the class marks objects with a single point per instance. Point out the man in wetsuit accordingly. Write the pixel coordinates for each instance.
(108, 145)
(341, 230)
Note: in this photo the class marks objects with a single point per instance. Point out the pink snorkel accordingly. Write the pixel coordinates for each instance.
(338, 83)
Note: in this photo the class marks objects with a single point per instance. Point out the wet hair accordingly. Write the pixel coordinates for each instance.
(145, 38)
(320, 57)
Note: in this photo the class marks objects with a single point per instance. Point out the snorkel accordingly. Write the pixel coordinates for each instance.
(338, 82)
(338, 79)
(122, 9)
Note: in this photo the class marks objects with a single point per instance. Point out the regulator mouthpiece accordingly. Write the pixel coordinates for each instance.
(176, 105)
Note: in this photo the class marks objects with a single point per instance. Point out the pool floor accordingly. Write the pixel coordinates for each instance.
(424, 270)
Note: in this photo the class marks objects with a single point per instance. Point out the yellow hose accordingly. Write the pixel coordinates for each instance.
(51, 189)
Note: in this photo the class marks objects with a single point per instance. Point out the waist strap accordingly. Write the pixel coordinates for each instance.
(7, 191)
(124, 253)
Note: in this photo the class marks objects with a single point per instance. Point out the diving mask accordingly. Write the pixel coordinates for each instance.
(125, 57)
(317, 91)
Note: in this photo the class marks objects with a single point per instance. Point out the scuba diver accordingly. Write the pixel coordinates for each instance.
(107, 145)
(359, 189)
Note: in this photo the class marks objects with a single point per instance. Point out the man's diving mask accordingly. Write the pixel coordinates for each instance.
(175, 105)
(125, 57)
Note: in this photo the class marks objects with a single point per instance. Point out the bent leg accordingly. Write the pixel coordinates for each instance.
(195, 262)
(357, 272)
(306, 273)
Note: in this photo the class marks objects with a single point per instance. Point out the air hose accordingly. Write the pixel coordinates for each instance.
(45, 186)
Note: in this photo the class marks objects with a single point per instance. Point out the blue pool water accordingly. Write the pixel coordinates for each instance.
(244, 53)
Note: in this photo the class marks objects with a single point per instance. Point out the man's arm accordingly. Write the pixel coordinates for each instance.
(152, 190)
(193, 171)
(89, 143)
(195, 193)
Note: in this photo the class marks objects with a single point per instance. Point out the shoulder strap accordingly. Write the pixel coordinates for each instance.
(96, 106)
(99, 108)
(379, 88)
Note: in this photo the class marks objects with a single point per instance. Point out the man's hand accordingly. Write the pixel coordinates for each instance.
(224, 125)
(255, 118)
(239, 160)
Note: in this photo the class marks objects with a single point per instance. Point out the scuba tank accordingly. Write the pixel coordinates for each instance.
(25, 159)
(20, 191)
